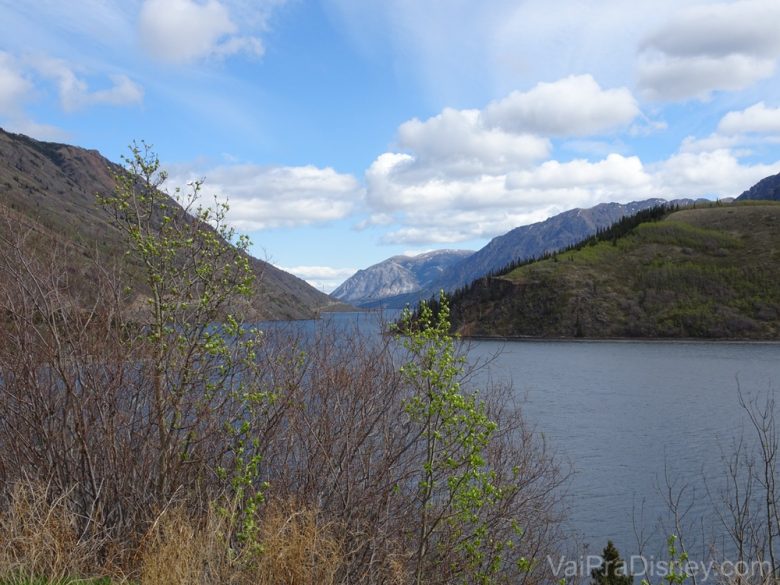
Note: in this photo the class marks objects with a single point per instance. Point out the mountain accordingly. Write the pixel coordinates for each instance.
(711, 272)
(767, 189)
(522, 243)
(398, 275)
(50, 190)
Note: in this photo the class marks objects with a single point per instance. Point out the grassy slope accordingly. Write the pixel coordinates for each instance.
(712, 272)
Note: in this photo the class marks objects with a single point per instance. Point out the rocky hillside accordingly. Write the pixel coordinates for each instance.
(50, 190)
(709, 272)
(766, 189)
(399, 275)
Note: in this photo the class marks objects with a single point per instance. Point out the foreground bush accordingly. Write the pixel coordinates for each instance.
(177, 444)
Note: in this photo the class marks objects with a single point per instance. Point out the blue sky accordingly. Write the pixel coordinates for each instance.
(346, 131)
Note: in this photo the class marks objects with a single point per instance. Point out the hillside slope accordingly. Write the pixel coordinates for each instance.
(707, 272)
(767, 189)
(50, 190)
(398, 275)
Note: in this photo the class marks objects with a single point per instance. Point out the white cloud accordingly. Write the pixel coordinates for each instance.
(324, 278)
(374, 219)
(460, 226)
(14, 86)
(267, 197)
(74, 92)
(183, 31)
(616, 171)
(747, 27)
(573, 106)
(709, 47)
(700, 174)
(680, 78)
(755, 125)
(453, 209)
(461, 178)
(124, 91)
(758, 119)
(476, 173)
(21, 79)
(457, 141)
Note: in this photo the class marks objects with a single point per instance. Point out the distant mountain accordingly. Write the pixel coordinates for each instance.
(396, 276)
(709, 272)
(522, 243)
(535, 240)
(767, 189)
(50, 189)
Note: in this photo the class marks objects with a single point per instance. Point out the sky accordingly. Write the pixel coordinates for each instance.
(343, 132)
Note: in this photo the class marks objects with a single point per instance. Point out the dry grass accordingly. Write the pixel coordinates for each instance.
(40, 544)
(39, 538)
(296, 548)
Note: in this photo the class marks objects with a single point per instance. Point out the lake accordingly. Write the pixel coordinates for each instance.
(623, 412)
(620, 413)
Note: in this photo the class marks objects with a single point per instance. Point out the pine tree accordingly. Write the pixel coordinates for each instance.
(613, 569)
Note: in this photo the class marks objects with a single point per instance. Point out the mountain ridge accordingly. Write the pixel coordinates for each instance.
(51, 189)
(767, 189)
(520, 243)
(705, 272)
(397, 275)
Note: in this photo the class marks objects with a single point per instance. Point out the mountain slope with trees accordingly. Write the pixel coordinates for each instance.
(709, 272)
(49, 191)
(520, 244)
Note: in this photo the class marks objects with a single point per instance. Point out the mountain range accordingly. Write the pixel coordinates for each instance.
(50, 190)
(378, 285)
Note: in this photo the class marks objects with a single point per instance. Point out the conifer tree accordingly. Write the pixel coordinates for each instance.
(613, 570)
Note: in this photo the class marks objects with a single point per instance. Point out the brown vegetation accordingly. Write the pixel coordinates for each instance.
(160, 445)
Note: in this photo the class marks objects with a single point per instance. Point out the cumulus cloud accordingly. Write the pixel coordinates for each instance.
(573, 106)
(74, 92)
(456, 210)
(459, 142)
(758, 119)
(755, 125)
(475, 173)
(679, 78)
(453, 209)
(720, 46)
(614, 171)
(183, 31)
(267, 197)
(466, 174)
(701, 174)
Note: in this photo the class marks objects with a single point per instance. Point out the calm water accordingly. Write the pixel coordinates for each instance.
(622, 412)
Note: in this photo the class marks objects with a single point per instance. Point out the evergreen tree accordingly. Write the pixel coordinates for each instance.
(613, 570)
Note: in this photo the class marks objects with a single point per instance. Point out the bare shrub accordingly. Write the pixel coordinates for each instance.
(346, 446)
(146, 419)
